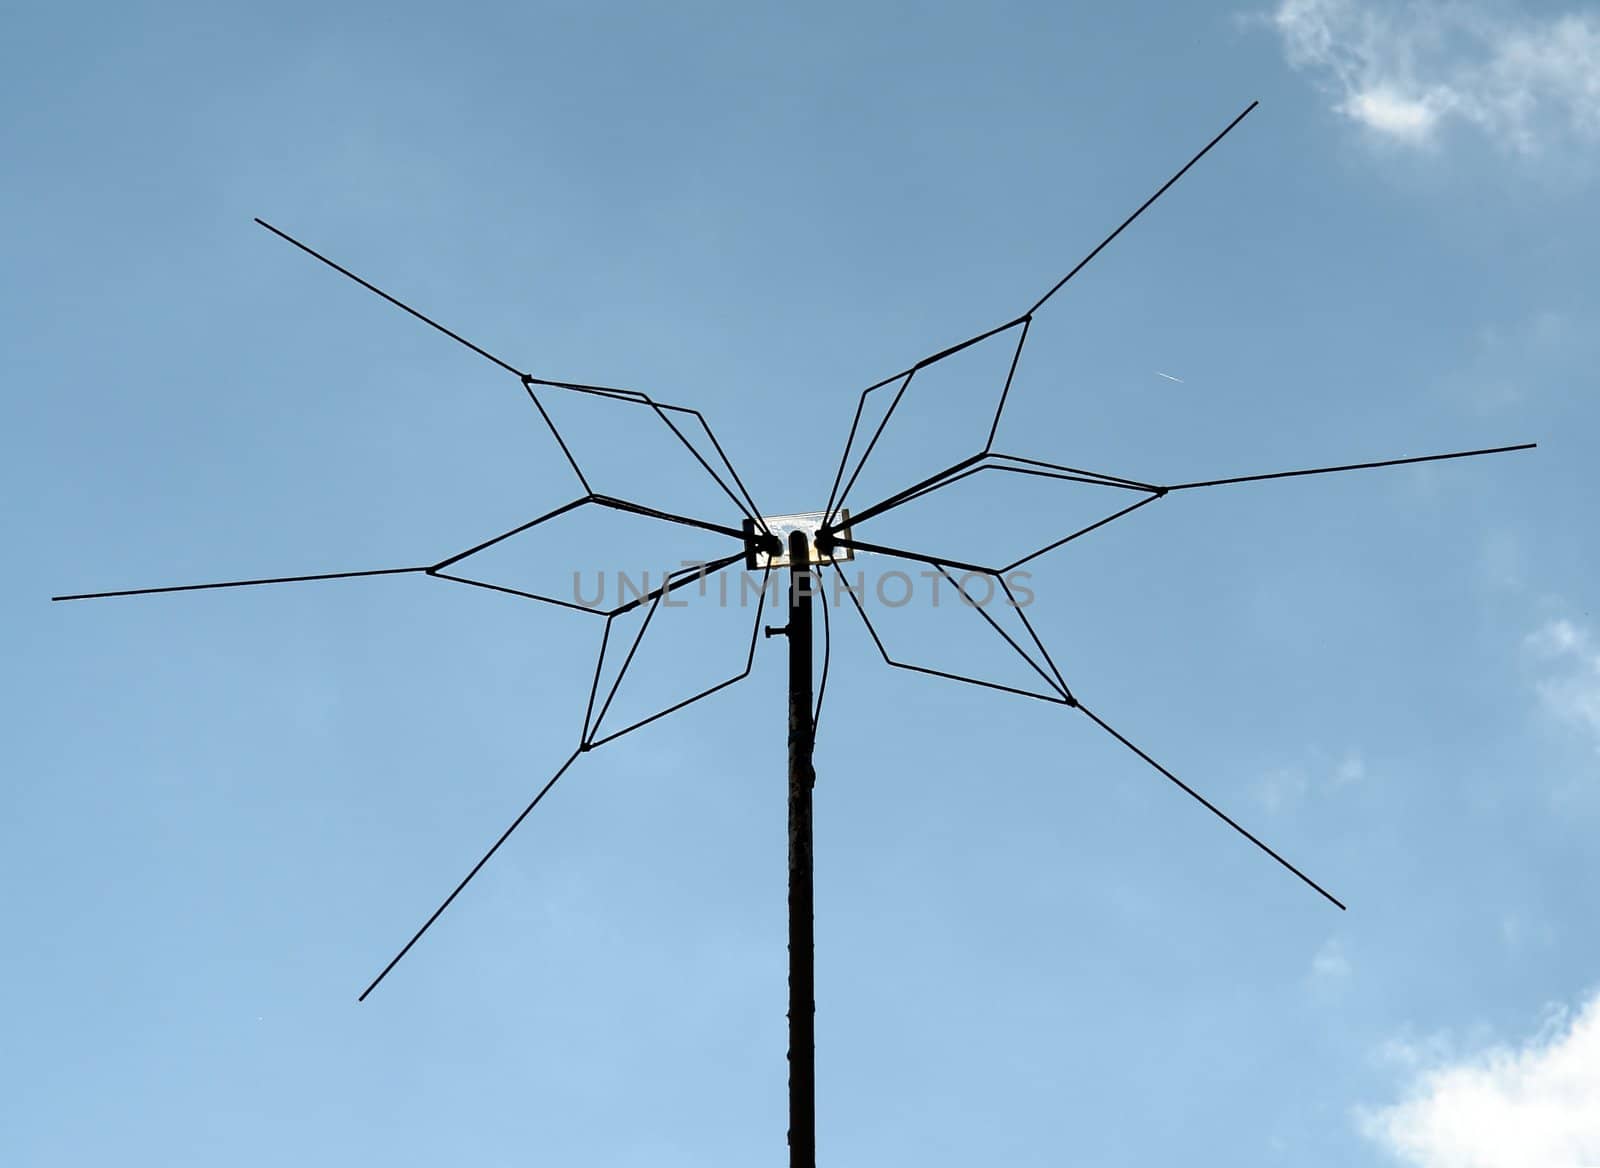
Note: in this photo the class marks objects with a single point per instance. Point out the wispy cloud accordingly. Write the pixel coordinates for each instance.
(1503, 1106)
(1506, 363)
(1404, 70)
(1521, 933)
(1350, 769)
(1283, 788)
(1287, 787)
(1570, 687)
(1331, 967)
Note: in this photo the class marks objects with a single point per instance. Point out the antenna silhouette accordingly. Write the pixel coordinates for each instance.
(813, 543)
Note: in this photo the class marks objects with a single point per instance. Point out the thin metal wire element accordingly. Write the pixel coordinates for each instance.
(528, 381)
(686, 576)
(1071, 700)
(1025, 320)
(238, 583)
(827, 650)
(877, 640)
(400, 304)
(1117, 480)
(835, 504)
(983, 611)
(518, 592)
(946, 478)
(1082, 531)
(919, 557)
(749, 661)
(587, 743)
(1006, 391)
(916, 488)
(527, 387)
(872, 442)
(1289, 474)
(1022, 615)
(594, 686)
(517, 530)
(706, 569)
(467, 879)
(905, 384)
(1211, 807)
(667, 516)
(638, 397)
(1142, 207)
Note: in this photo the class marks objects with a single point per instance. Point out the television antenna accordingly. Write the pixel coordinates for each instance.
(803, 546)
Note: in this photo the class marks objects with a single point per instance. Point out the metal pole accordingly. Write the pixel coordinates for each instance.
(802, 777)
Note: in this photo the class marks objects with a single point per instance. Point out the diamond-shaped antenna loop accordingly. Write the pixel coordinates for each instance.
(446, 569)
(1061, 694)
(982, 460)
(996, 592)
(664, 412)
(602, 698)
(836, 497)
(911, 389)
(588, 740)
(741, 500)
(1022, 481)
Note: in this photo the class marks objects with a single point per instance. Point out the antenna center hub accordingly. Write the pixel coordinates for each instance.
(825, 547)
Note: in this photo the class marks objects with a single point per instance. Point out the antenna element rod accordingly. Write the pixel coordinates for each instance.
(802, 946)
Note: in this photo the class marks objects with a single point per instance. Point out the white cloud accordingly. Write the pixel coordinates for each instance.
(1570, 689)
(1520, 933)
(1331, 966)
(1351, 769)
(1509, 363)
(1385, 110)
(1283, 788)
(1403, 70)
(1533, 1106)
(1502, 560)
(1287, 787)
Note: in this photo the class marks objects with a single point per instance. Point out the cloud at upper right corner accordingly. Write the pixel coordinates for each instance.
(1405, 71)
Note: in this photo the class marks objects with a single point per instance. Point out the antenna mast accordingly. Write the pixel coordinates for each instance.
(802, 914)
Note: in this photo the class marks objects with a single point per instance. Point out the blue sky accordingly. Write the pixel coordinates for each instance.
(226, 810)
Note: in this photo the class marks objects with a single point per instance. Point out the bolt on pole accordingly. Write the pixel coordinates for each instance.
(802, 777)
